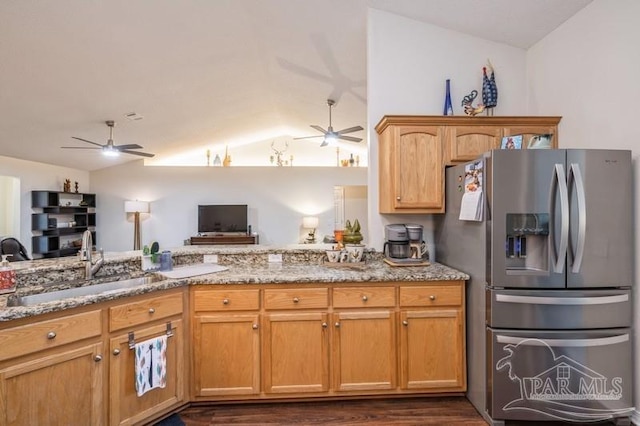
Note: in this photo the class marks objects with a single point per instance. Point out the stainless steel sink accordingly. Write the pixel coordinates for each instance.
(89, 290)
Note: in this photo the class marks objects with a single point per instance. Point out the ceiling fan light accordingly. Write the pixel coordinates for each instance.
(109, 151)
(330, 140)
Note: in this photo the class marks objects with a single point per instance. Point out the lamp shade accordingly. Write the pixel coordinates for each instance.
(136, 206)
(310, 222)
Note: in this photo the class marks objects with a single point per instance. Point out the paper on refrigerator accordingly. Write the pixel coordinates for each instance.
(472, 206)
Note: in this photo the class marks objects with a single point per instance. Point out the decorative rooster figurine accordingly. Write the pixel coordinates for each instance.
(489, 88)
(467, 104)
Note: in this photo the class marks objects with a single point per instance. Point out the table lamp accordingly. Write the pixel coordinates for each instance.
(136, 207)
(311, 223)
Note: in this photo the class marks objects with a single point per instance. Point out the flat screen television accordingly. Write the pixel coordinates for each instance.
(222, 218)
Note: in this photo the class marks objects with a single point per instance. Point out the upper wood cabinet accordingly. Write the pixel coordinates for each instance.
(411, 171)
(414, 150)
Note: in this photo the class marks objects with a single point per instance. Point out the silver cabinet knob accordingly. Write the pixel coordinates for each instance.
(97, 358)
(325, 325)
(365, 298)
(337, 324)
(152, 311)
(225, 301)
(296, 300)
(432, 297)
(405, 322)
(51, 335)
(116, 351)
(254, 326)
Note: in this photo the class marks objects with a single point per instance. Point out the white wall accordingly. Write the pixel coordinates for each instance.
(278, 198)
(588, 71)
(407, 65)
(36, 176)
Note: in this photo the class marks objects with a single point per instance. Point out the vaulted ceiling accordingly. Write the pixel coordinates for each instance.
(203, 72)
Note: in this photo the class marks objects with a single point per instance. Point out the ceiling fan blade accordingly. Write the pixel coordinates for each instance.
(349, 138)
(350, 130)
(141, 154)
(84, 140)
(128, 146)
(308, 137)
(79, 147)
(318, 128)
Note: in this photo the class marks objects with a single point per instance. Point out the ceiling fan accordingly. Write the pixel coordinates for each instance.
(329, 135)
(109, 148)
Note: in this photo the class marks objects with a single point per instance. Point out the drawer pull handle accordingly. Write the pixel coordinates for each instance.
(432, 297)
(296, 300)
(51, 335)
(325, 325)
(152, 311)
(225, 301)
(255, 326)
(97, 358)
(365, 298)
(337, 324)
(405, 322)
(116, 351)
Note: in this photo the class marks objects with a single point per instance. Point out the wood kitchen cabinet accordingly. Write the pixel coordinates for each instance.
(411, 168)
(52, 372)
(432, 350)
(226, 342)
(295, 346)
(138, 321)
(413, 152)
(364, 339)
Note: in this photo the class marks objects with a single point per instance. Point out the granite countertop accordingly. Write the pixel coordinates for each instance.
(246, 265)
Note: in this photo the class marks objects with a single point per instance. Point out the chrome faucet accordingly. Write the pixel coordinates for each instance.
(85, 255)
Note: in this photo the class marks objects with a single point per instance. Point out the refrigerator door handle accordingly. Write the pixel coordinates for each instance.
(565, 343)
(559, 184)
(554, 300)
(576, 177)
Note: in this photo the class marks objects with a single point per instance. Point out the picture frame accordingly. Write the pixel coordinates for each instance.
(511, 142)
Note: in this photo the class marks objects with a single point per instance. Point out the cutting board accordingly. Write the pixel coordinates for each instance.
(193, 270)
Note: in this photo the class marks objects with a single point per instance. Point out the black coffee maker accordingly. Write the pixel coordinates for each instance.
(397, 243)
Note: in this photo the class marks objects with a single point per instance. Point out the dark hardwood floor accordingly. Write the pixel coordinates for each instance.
(405, 411)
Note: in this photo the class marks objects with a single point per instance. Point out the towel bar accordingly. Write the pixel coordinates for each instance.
(132, 337)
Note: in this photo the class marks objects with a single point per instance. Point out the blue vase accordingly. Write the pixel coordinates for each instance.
(448, 108)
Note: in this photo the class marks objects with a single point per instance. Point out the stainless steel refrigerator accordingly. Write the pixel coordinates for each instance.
(549, 308)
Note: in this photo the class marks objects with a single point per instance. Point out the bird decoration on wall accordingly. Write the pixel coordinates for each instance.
(489, 88)
(467, 106)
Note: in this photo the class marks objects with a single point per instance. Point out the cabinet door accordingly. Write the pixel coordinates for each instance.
(466, 143)
(296, 352)
(125, 406)
(418, 168)
(226, 353)
(364, 351)
(64, 388)
(529, 132)
(432, 350)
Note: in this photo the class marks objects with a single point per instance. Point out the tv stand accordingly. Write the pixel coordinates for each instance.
(224, 239)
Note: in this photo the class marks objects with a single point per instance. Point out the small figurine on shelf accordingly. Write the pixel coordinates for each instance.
(67, 185)
(489, 88)
(76, 186)
(467, 104)
(227, 158)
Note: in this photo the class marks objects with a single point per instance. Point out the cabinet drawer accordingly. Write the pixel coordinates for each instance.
(296, 298)
(226, 300)
(49, 334)
(364, 297)
(431, 296)
(150, 309)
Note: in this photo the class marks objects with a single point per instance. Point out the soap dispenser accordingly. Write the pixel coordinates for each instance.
(7, 276)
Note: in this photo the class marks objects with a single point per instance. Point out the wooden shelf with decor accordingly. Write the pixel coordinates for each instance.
(58, 221)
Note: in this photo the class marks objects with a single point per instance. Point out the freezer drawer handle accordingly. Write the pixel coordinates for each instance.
(534, 341)
(538, 300)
